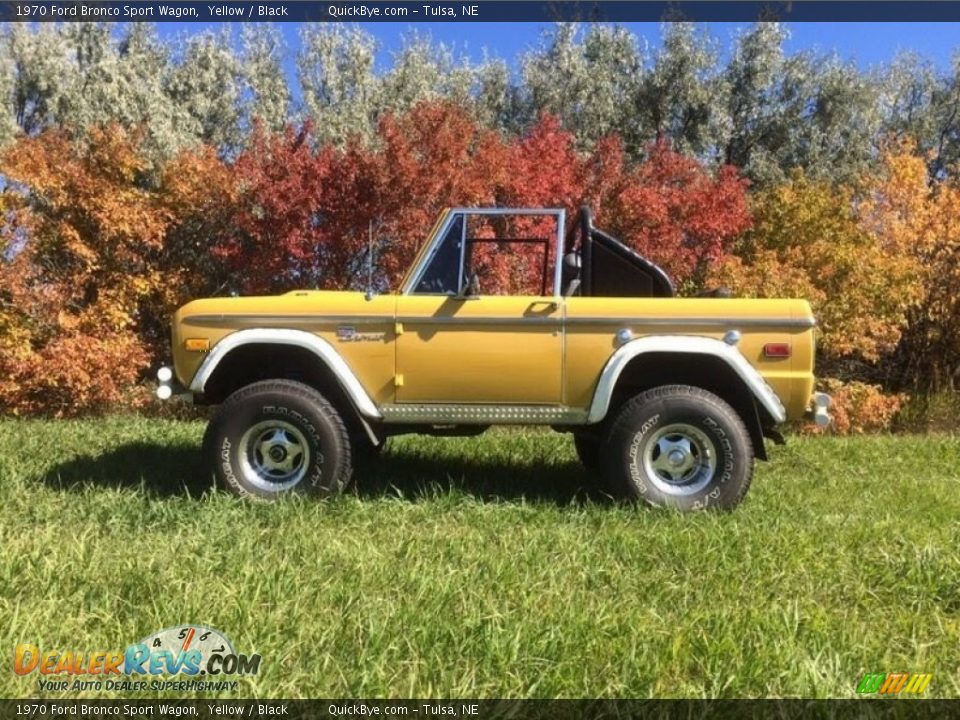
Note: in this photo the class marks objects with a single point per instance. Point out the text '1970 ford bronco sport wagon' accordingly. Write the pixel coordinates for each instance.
(503, 318)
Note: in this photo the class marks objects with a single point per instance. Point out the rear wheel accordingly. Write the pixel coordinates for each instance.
(678, 446)
(277, 437)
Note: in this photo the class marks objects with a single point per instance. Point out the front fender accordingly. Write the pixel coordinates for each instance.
(299, 338)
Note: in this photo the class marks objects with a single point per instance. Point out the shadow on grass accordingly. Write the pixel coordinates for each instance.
(170, 470)
(160, 470)
(418, 478)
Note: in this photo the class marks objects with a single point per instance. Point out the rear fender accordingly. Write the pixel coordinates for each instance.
(753, 381)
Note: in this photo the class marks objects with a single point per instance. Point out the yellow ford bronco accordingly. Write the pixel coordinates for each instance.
(505, 317)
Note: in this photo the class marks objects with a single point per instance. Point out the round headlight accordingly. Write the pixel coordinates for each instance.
(164, 374)
(164, 392)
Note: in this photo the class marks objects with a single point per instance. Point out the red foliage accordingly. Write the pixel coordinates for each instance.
(275, 238)
(99, 245)
(307, 211)
(673, 211)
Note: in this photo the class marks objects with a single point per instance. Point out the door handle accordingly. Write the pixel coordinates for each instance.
(540, 307)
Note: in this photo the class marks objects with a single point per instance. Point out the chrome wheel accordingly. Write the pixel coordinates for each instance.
(679, 459)
(274, 455)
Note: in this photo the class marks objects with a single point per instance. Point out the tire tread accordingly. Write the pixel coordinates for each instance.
(297, 390)
(663, 393)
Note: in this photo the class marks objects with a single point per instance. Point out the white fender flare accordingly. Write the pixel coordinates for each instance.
(323, 350)
(684, 344)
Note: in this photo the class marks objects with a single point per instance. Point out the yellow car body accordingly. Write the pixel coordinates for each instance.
(431, 360)
(537, 351)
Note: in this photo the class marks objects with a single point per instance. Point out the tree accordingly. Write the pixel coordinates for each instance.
(207, 85)
(337, 80)
(8, 88)
(423, 71)
(591, 82)
(94, 260)
(920, 220)
(808, 241)
(499, 103)
(836, 140)
(945, 142)
(674, 210)
(919, 105)
(345, 98)
(73, 281)
(679, 97)
(267, 98)
(309, 208)
(762, 102)
(80, 76)
(38, 62)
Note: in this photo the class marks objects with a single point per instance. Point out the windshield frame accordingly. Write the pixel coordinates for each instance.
(427, 254)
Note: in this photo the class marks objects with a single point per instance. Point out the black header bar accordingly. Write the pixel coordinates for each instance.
(485, 11)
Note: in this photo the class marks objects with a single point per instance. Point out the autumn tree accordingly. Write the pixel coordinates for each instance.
(920, 220)
(677, 212)
(90, 270)
(75, 279)
(308, 211)
(808, 241)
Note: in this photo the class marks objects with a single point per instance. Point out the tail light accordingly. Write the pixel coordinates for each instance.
(776, 350)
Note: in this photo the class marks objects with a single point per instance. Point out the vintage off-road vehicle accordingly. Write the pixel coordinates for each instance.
(668, 399)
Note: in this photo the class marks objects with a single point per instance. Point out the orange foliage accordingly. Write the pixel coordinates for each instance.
(920, 220)
(859, 408)
(87, 265)
(808, 241)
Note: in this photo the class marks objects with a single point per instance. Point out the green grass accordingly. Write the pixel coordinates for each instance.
(484, 567)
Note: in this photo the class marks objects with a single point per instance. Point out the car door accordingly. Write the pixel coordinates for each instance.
(458, 347)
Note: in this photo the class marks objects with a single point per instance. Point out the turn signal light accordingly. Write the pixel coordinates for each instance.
(197, 344)
(776, 350)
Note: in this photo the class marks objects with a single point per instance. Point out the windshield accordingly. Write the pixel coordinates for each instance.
(442, 275)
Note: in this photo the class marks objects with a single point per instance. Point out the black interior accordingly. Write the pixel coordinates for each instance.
(596, 264)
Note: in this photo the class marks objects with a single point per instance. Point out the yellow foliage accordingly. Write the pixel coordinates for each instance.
(808, 241)
(920, 219)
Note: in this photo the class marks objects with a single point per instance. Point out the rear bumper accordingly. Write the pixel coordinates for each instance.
(169, 387)
(819, 404)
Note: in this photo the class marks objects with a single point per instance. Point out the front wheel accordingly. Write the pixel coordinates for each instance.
(587, 445)
(678, 446)
(277, 437)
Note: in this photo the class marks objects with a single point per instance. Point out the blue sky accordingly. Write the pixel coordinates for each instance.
(868, 44)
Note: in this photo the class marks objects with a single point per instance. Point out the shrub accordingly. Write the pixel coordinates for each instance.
(859, 408)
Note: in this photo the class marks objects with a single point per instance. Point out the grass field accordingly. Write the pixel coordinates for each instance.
(483, 568)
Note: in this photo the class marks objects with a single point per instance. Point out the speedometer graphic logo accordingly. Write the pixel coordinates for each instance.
(192, 650)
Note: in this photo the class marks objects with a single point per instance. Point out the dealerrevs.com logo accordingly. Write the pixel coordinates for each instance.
(894, 684)
(201, 658)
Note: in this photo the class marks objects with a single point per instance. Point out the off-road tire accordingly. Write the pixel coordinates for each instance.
(678, 446)
(276, 437)
(587, 445)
